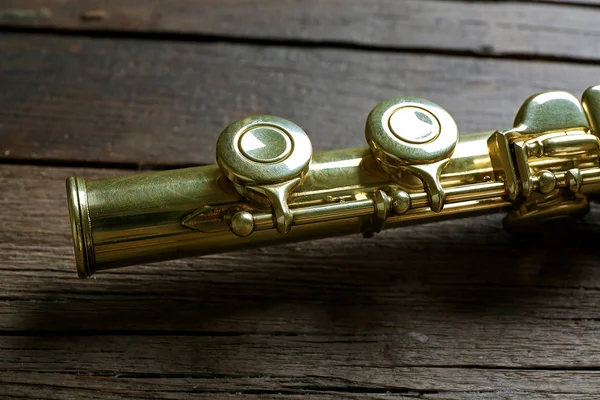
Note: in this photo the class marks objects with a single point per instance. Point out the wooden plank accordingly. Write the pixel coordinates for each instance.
(497, 27)
(325, 319)
(164, 103)
(400, 383)
(590, 3)
(524, 348)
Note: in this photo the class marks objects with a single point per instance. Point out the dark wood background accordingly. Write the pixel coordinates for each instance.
(454, 310)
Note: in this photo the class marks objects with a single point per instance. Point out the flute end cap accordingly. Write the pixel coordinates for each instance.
(79, 218)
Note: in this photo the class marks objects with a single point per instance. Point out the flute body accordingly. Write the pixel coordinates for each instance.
(269, 188)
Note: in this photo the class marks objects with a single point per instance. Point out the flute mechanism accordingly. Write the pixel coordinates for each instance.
(269, 187)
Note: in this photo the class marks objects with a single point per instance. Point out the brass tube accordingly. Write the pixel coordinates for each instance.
(269, 188)
(137, 219)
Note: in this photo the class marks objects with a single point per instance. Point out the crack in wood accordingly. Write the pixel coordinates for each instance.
(485, 52)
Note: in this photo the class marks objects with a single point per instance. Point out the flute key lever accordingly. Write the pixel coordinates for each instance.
(265, 158)
(413, 135)
(269, 188)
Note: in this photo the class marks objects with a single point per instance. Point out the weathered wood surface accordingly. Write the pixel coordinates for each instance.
(164, 103)
(325, 318)
(490, 27)
(453, 310)
(588, 3)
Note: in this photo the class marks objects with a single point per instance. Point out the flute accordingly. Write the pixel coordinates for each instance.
(269, 188)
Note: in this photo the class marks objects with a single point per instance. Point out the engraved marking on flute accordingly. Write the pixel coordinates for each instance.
(206, 219)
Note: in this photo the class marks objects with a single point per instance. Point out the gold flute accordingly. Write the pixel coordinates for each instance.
(269, 188)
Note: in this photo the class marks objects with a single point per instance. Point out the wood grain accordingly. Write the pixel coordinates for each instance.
(411, 312)
(427, 383)
(164, 103)
(492, 27)
(452, 310)
(396, 383)
(589, 3)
